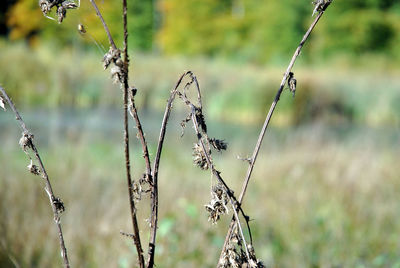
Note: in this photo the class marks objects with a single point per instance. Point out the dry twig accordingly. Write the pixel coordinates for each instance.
(120, 71)
(253, 159)
(57, 205)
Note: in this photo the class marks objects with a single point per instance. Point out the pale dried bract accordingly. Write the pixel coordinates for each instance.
(112, 56)
(116, 74)
(61, 8)
(218, 203)
(34, 169)
(26, 141)
(199, 157)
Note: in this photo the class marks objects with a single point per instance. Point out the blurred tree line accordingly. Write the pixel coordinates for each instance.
(250, 30)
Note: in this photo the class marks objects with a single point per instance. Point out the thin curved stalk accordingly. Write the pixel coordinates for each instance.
(54, 201)
(268, 118)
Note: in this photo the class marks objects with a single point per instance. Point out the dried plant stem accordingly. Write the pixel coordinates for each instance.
(267, 120)
(215, 172)
(110, 39)
(217, 175)
(154, 193)
(48, 188)
(126, 137)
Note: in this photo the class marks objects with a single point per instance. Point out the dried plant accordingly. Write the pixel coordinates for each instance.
(28, 146)
(61, 7)
(237, 251)
(321, 6)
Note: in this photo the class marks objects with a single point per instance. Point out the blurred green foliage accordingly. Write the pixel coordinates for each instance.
(49, 77)
(251, 30)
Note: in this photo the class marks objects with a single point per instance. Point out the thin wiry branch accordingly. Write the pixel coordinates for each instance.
(120, 74)
(136, 235)
(201, 131)
(55, 202)
(268, 118)
(110, 39)
(154, 193)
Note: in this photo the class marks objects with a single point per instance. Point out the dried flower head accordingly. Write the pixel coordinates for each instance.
(116, 74)
(218, 203)
(218, 144)
(319, 5)
(292, 83)
(33, 168)
(26, 141)
(132, 91)
(232, 258)
(111, 57)
(199, 157)
(140, 187)
(58, 203)
(81, 28)
(200, 119)
(61, 8)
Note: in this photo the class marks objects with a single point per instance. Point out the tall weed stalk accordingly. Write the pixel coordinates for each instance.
(237, 251)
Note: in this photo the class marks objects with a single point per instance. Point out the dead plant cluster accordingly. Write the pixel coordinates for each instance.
(238, 251)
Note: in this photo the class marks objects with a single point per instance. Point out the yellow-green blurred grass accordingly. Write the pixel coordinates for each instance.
(317, 199)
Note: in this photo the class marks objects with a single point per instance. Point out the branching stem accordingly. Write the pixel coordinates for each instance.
(267, 120)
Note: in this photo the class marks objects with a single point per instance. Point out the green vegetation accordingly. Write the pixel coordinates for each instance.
(232, 92)
(252, 30)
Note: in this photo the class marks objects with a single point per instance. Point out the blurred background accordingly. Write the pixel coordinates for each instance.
(325, 190)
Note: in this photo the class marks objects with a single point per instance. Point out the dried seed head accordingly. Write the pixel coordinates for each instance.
(136, 191)
(116, 74)
(218, 144)
(218, 203)
(81, 28)
(292, 83)
(319, 5)
(45, 6)
(119, 63)
(26, 141)
(133, 91)
(58, 203)
(61, 6)
(200, 120)
(61, 13)
(199, 158)
(33, 168)
(140, 187)
(111, 56)
(232, 258)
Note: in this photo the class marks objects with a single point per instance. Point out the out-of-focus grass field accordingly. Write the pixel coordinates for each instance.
(325, 191)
